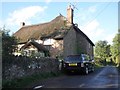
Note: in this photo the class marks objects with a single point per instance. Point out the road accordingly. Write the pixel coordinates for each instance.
(106, 77)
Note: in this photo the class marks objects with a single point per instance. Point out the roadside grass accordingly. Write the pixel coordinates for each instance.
(118, 69)
(98, 65)
(25, 81)
(98, 62)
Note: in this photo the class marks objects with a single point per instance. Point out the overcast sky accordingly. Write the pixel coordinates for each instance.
(98, 20)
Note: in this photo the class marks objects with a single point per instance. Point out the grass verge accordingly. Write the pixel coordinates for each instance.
(119, 69)
(24, 81)
(98, 66)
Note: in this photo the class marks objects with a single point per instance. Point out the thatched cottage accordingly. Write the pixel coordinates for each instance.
(60, 36)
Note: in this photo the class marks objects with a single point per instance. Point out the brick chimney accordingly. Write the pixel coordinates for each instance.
(70, 14)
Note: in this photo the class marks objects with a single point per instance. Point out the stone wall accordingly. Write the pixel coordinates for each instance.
(76, 43)
(83, 45)
(70, 43)
(17, 67)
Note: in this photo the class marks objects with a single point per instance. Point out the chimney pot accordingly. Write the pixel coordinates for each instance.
(22, 24)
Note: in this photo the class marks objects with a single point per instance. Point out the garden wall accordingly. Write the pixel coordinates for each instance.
(16, 67)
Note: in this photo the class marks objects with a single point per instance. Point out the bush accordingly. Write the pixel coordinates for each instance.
(98, 62)
(117, 60)
(25, 81)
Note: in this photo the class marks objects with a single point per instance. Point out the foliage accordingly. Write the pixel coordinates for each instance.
(25, 81)
(110, 53)
(115, 48)
(8, 43)
(102, 50)
(98, 62)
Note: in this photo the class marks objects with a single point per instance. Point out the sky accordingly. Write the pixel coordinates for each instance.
(98, 20)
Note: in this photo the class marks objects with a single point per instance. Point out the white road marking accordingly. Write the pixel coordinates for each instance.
(81, 85)
(38, 87)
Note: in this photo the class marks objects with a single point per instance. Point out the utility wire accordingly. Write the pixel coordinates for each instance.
(97, 14)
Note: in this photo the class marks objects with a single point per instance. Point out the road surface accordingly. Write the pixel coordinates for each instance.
(106, 77)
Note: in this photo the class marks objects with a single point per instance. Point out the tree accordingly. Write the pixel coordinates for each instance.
(8, 43)
(102, 50)
(115, 48)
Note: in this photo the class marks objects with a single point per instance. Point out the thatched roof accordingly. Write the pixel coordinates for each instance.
(37, 31)
(57, 35)
(56, 29)
(40, 47)
(60, 34)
